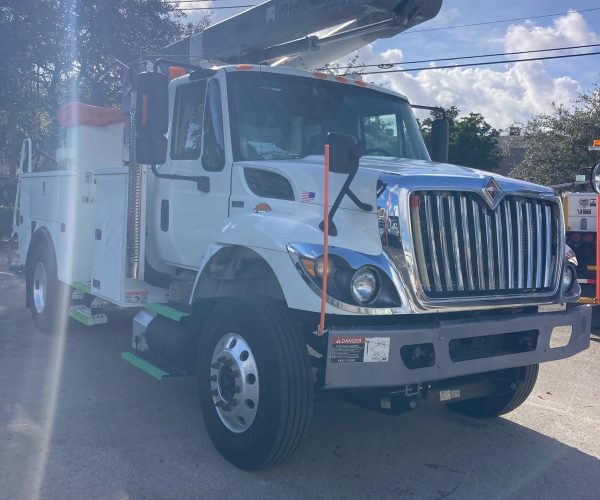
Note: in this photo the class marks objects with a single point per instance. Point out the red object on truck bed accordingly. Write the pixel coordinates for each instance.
(77, 113)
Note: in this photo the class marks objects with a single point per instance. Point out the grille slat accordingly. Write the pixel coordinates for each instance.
(500, 248)
(478, 248)
(509, 246)
(464, 216)
(529, 229)
(444, 242)
(548, 244)
(432, 246)
(520, 248)
(466, 248)
(455, 243)
(538, 246)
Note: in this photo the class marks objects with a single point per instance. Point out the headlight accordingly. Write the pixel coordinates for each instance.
(364, 285)
(567, 278)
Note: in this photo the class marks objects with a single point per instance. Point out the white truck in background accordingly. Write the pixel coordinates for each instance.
(444, 284)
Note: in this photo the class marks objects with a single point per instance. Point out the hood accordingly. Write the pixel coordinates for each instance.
(306, 176)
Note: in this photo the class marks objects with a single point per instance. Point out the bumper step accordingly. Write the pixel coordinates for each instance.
(167, 311)
(147, 367)
(84, 315)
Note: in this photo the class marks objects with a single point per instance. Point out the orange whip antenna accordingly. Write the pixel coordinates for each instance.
(321, 329)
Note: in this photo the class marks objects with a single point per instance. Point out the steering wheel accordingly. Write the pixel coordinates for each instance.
(377, 150)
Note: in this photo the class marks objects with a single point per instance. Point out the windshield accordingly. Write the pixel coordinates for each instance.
(279, 117)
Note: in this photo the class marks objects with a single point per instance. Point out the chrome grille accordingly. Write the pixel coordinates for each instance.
(465, 248)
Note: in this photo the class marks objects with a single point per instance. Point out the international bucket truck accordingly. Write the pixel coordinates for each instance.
(279, 232)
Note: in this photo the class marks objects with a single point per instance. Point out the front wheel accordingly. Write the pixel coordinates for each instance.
(524, 379)
(255, 382)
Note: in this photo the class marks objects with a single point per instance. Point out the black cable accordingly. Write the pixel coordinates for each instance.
(497, 54)
(485, 63)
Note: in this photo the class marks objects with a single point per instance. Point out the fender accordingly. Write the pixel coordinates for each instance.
(266, 236)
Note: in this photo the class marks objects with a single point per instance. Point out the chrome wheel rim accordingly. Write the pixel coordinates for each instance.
(234, 383)
(40, 286)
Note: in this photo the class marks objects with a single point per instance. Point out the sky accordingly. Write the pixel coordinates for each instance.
(503, 94)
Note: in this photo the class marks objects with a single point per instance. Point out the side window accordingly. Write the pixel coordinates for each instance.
(213, 154)
(381, 135)
(186, 139)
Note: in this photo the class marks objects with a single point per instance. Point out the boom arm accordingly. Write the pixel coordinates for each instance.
(301, 33)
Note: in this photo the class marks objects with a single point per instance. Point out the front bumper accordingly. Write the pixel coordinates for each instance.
(370, 357)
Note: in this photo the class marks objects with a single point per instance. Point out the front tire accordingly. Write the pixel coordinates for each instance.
(47, 295)
(494, 406)
(255, 382)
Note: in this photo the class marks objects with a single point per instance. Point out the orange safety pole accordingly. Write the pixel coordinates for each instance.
(321, 329)
(597, 298)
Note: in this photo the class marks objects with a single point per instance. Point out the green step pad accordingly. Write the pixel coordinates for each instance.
(167, 311)
(147, 367)
(82, 286)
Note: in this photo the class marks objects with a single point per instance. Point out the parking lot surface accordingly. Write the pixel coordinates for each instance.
(77, 422)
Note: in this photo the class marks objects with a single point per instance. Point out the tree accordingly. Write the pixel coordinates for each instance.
(54, 51)
(556, 143)
(473, 141)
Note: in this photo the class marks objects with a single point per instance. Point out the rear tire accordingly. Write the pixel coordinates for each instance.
(255, 382)
(47, 295)
(494, 406)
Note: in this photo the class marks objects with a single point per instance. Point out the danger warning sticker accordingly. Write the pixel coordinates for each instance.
(360, 350)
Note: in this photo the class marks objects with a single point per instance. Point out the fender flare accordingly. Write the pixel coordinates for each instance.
(224, 262)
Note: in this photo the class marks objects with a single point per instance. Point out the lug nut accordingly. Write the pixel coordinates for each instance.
(234, 402)
(226, 408)
(215, 366)
(219, 404)
(229, 361)
(235, 373)
(221, 359)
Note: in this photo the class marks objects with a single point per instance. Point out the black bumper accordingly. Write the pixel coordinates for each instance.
(363, 357)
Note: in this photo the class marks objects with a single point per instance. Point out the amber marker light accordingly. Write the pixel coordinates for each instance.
(262, 208)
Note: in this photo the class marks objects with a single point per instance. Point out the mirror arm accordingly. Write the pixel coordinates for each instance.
(336, 205)
(363, 206)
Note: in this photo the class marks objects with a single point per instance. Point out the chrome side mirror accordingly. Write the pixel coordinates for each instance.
(595, 178)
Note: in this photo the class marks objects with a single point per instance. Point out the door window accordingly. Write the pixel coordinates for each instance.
(213, 154)
(186, 140)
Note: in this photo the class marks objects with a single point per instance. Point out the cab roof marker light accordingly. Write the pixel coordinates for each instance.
(322, 76)
(244, 67)
(342, 79)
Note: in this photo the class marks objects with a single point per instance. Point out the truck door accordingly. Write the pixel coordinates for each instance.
(192, 214)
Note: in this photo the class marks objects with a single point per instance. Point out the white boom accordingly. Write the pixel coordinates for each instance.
(302, 34)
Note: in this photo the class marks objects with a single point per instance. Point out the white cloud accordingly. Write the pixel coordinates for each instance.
(503, 96)
(569, 30)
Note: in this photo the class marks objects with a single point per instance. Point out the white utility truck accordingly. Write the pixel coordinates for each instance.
(282, 232)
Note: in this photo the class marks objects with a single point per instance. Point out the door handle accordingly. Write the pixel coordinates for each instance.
(202, 181)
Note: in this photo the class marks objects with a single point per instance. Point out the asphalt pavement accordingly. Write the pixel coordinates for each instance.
(76, 422)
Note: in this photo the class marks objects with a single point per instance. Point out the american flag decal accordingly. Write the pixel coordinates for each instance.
(308, 196)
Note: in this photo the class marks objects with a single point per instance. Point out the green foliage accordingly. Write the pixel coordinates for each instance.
(556, 144)
(473, 141)
(55, 51)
